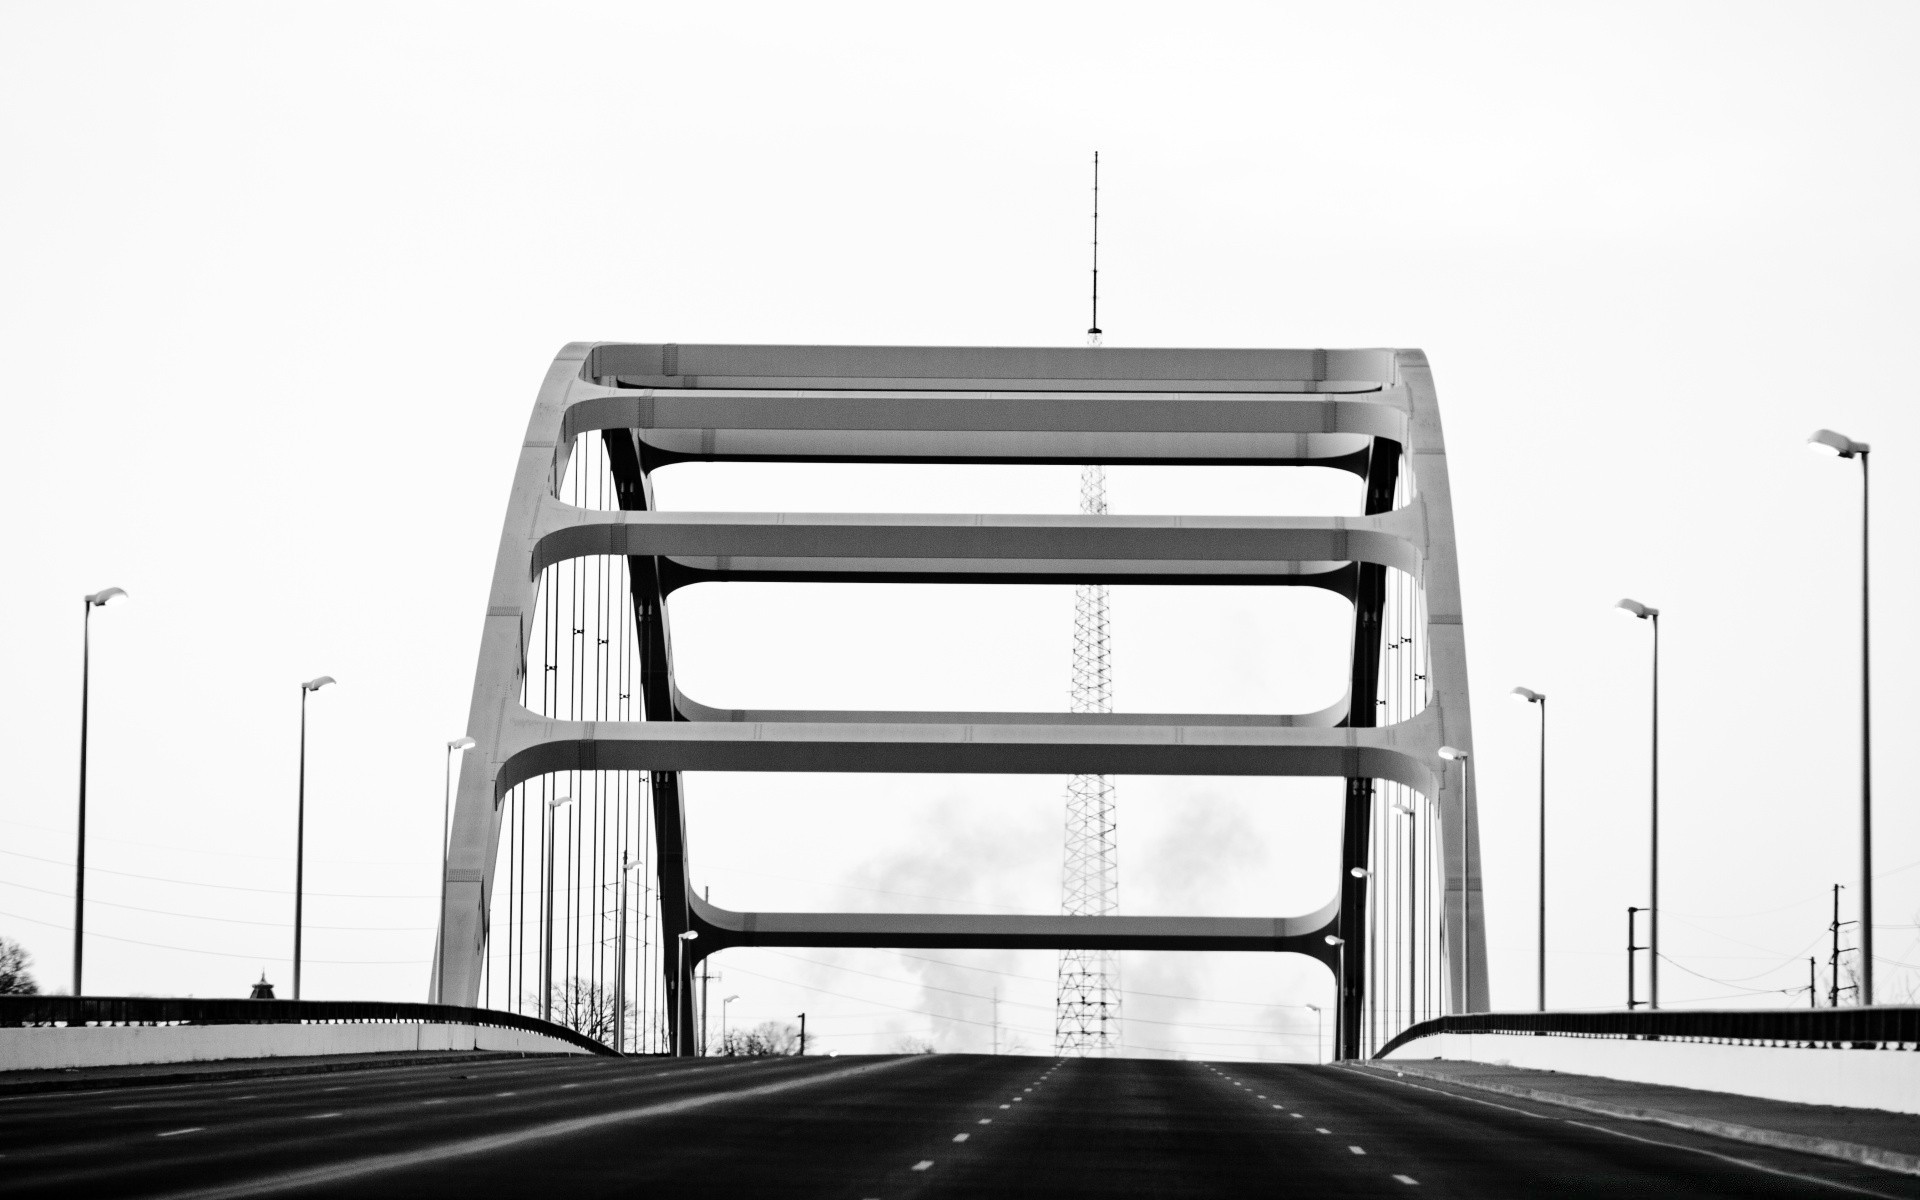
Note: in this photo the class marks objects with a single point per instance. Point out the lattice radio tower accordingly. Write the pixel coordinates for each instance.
(1086, 1010)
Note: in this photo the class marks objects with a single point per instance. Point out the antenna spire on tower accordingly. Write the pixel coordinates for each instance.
(1093, 331)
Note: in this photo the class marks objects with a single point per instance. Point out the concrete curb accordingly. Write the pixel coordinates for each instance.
(290, 1067)
(1872, 1156)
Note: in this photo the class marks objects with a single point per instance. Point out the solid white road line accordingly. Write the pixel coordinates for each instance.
(1844, 1187)
(178, 1132)
(322, 1116)
(374, 1164)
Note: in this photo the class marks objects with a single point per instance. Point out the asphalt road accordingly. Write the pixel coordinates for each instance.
(854, 1128)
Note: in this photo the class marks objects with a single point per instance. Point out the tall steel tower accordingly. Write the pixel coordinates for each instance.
(1086, 1006)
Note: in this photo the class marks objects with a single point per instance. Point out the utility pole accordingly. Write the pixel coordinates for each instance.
(803, 1035)
(1833, 984)
(1630, 951)
(706, 978)
(1813, 985)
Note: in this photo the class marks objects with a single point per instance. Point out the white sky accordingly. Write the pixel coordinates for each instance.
(280, 284)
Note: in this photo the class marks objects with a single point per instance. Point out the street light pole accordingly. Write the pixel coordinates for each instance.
(1846, 447)
(1634, 608)
(300, 833)
(1540, 951)
(723, 1021)
(96, 600)
(681, 1001)
(446, 818)
(546, 915)
(1319, 1033)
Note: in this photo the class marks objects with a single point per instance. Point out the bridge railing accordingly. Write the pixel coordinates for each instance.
(1879, 1027)
(73, 1011)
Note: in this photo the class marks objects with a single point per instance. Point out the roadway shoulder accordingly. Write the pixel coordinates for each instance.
(20, 1083)
(1893, 1139)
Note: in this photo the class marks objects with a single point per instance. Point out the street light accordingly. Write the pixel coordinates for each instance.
(1540, 926)
(300, 831)
(1634, 608)
(1451, 754)
(680, 1001)
(1826, 440)
(723, 1021)
(446, 809)
(1319, 1034)
(546, 915)
(96, 600)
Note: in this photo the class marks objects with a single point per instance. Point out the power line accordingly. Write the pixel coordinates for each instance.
(335, 962)
(223, 920)
(230, 887)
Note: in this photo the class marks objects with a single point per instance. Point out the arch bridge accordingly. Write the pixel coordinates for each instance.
(576, 670)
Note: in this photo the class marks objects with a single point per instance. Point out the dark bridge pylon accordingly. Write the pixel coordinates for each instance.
(1370, 412)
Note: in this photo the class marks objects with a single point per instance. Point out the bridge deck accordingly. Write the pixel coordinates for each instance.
(938, 1125)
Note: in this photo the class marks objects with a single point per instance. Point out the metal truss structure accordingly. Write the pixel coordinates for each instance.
(1369, 412)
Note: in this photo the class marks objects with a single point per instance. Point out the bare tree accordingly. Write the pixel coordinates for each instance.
(767, 1039)
(910, 1044)
(584, 1007)
(15, 979)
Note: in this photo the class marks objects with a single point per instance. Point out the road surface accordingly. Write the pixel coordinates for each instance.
(857, 1128)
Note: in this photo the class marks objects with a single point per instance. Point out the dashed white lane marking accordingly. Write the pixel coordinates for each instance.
(1006, 1106)
(1296, 1116)
(1356, 1149)
(1409, 1180)
(1317, 1129)
(1263, 1097)
(506, 1093)
(986, 1120)
(961, 1137)
(178, 1132)
(323, 1116)
(923, 1164)
(1279, 1106)
(341, 1088)
(1018, 1099)
(565, 1086)
(433, 1102)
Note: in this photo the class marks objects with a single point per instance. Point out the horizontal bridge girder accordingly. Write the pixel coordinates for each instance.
(530, 745)
(721, 928)
(971, 368)
(693, 710)
(997, 544)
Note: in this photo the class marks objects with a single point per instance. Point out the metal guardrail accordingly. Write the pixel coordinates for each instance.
(161, 1010)
(1878, 1027)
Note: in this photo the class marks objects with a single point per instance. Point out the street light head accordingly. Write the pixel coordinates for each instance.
(559, 801)
(1826, 441)
(689, 935)
(730, 999)
(1634, 608)
(1314, 1007)
(103, 595)
(1401, 808)
(1335, 941)
(1529, 695)
(1452, 754)
(464, 743)
(1359, 872)
(315, 684)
